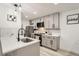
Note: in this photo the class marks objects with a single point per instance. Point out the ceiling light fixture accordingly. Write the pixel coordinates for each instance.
(26, 16)
(34, 12)
(55, 3)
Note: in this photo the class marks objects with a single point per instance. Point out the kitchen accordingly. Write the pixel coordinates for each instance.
(39, 29)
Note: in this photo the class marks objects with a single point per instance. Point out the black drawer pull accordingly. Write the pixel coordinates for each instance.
(51, 42)
(53, 37)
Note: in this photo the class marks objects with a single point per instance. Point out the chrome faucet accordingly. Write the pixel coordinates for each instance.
(20, 32)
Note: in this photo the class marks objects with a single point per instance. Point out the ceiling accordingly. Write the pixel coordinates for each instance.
(42, 9)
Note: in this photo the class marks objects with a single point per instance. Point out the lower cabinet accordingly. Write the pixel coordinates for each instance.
(55, 43)
(52, 42)
(44, 41)
(48, 41)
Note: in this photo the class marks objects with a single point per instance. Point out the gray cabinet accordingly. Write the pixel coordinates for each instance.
(55, 42)
(52, 42)
(43, 40)
(48, 41)
(56, 20)
(33, 22)
(46, 22)
(52, 21)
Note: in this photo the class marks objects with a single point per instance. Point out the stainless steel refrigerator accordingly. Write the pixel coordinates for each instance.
(28, 31)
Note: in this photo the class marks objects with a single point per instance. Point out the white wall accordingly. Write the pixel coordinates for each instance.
(25, 21)
(69, 33)
(8, 27)
(9, 9)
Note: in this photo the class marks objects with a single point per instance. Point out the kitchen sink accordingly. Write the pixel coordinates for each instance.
(26, 40)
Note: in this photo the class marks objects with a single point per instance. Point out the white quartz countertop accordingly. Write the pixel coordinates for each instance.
(9, 44)
(57, 35)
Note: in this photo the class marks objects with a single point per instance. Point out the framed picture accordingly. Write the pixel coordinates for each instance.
(73, 19)
(11, 17)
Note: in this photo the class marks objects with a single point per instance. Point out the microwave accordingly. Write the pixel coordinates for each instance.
(40, 24)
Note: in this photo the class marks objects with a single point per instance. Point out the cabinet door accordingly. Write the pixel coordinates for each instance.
(48, 41)
(33, 23)
(55, 44)
(46, 22)
(43, 40)
(56, 20)
(50, 21)
(42, 19)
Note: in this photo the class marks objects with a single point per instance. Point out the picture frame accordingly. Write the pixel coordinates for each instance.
(11, 18)
(73, 19)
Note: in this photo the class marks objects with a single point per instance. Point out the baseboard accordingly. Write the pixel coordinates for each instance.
(70, 52)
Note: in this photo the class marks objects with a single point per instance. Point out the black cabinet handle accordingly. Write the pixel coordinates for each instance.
(51, 42)
(53, 37)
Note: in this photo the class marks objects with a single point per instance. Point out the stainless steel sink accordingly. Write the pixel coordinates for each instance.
(26, 40)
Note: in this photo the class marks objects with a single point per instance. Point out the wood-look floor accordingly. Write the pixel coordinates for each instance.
(48, 52)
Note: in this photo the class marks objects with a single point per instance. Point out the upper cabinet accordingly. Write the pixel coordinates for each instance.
(33, 22)
(50, 21)
(46, 22)
(56, 20)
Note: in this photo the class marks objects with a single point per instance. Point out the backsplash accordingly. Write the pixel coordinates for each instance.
(8, 32)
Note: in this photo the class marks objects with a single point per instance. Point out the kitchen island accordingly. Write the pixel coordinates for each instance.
(11, 47)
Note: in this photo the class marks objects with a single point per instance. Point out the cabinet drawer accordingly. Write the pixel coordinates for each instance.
(55, 44)
(43, 36)
(53, 37)
(49, 37)
(48, 44)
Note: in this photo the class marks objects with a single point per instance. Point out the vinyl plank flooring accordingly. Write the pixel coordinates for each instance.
(48, 52)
